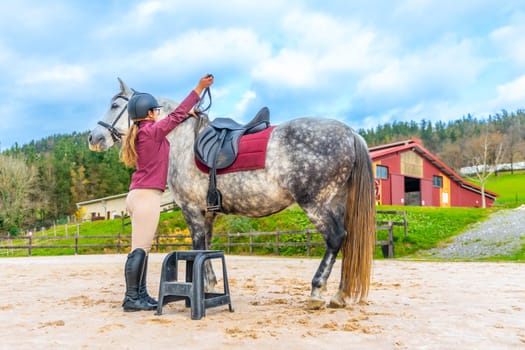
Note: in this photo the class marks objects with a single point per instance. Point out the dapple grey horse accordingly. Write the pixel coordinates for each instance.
(320, 164)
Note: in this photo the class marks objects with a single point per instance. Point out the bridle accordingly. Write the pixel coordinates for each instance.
(115, 134)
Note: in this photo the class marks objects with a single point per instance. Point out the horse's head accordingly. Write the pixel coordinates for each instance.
(114, 124)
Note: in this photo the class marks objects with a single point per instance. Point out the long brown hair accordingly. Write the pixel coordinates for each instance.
(128, 153)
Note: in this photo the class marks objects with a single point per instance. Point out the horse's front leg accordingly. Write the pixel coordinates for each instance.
(210, 278)
(201, 228)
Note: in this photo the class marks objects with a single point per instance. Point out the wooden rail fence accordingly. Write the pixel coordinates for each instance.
(274, 242)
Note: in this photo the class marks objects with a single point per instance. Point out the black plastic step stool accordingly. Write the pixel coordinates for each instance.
(192, 289)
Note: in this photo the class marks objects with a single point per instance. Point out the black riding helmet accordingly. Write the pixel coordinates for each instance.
(139, 104)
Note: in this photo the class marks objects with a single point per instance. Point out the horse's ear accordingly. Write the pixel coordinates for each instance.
(124, 88)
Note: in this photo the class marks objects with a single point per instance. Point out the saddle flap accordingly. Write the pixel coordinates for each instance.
(206, 144)
(229, 150)
(213, 152)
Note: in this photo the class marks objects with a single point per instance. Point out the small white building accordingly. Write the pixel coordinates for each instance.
(114, 206)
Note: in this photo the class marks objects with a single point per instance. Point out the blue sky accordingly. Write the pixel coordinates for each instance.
(363, 62)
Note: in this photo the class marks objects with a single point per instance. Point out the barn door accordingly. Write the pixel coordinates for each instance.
(398, 189)
(426, 192)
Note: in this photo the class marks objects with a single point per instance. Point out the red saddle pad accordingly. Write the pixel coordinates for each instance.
(251, 156)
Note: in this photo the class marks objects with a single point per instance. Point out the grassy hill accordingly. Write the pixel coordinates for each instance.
(510, 187)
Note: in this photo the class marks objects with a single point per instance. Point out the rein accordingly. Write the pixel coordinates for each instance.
(115, 134)
(205, 92)
(201, 112)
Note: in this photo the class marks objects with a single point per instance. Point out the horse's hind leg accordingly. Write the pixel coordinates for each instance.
(330, 225)
(316, 300)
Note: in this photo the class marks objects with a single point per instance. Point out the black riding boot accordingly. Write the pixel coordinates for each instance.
(134, 272)
(143, 292)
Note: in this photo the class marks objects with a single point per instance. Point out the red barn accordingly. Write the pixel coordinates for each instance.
(408, 174)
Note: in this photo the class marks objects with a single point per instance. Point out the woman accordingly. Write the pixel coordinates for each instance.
(145, 147)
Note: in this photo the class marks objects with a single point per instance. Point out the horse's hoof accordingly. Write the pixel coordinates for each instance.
(337, 302)
(315, 303)
(210, 288)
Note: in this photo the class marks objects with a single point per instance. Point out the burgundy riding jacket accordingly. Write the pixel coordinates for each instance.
(153, 147)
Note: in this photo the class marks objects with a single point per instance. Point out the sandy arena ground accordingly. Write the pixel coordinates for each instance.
(74, 302)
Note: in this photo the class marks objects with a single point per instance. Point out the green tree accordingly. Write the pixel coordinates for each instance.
(79, 184)
(17, 194)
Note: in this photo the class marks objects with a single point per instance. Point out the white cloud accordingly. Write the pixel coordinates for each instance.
(510, 40)
(433, 73)
(135, 20)
(28, 15)
(148, 9)
(289, 69)
(230, 48)
(319, 48)
(59, 74)
(242, 106)
(62, 83)
(510, 95)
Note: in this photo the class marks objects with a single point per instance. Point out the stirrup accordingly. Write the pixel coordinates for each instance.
(214, 200)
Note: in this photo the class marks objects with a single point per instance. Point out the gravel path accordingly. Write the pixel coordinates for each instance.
(503, 233)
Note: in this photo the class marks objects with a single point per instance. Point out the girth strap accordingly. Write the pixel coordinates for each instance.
(214, 198)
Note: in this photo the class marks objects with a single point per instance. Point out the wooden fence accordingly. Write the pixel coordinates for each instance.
(402, 221)
(249, 242)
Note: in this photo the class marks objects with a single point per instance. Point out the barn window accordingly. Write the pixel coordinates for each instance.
(381, 172)
(437, 181)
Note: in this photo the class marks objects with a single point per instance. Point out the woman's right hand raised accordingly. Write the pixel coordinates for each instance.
(204, 82)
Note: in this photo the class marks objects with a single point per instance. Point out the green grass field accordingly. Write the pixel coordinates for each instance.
(511, 188)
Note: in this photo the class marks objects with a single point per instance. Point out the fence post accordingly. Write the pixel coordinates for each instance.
(308, 241)
(277, 243)
(405, 222)
(118, 242)
(228, 241)
(29, 246)
(76, 243)
(78, 233)
(390, 239)
(251, 242)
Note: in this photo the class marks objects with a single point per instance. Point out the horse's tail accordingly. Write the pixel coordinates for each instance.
(360, 224)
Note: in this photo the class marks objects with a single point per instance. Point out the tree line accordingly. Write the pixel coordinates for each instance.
(458, 143)
(42, 181)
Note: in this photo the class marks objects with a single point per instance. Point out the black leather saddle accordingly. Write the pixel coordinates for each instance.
(217, 147)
